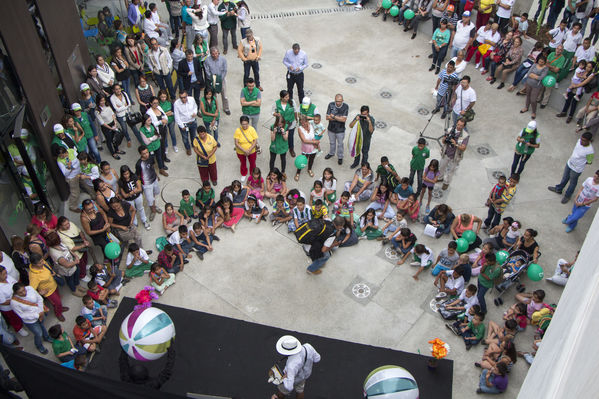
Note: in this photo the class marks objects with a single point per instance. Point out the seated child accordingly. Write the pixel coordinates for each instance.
(319, 211)
(317, 192)
(280, 211)
(111, 280)
(478, 259)
(161, 279)
(180, 240)
(207, 219)
(93, 311)
(171, 259)
(87, 336)
(520, 25)
(369, 225)
(533, 302)
(495, 333)
(402, 191)
(423, 258)
(447, 259)
(517, 312)
(450, 283)
(467, 314)
(344, 207)
(62, 345)
(403, 241)
(171, 219)
(275, 185)
(474, 332)
(137, 261)
(579, 76)
(205, 196)
(255, 184)
(465, 301)
(494, 380)
(187, 206)
(329, 184)
(464, 263)
(386, 172)
(200, 240)
(255, 209)
(301, 214)
(392, 226)
(100, 294)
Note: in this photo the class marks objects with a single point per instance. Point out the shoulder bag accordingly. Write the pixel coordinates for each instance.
(469, 114)
(258, 149)
(201, 161)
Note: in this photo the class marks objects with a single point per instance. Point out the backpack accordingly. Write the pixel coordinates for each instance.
(313, 229)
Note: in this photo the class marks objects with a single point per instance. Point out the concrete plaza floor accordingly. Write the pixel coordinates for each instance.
(258, 273)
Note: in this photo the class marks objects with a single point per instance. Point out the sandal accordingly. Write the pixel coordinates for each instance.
(296, 178)
(311, 173)
(121, 152)
(523, 110)
(116, 156)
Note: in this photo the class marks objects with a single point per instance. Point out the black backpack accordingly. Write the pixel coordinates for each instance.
(313, 229)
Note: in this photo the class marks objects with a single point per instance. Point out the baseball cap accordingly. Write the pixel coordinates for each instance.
(306, 102)
(532, 125)
(76, 107)
(83, 86)
(58, 128)
(466, 14)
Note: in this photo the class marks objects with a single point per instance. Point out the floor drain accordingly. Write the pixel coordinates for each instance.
(498, 173)
(308, 93)
(438, 193)
(423, 111)
(361, 290)
(386, 94)
(316, 65)
(482, 150)
(380, 124)
(391, 253)
(351, 80)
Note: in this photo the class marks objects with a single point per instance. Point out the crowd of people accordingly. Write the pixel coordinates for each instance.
(118, 98)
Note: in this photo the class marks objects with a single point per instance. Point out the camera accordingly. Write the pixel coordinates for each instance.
(363, 117)
(451, 81)
(279, 130)
(451, 135)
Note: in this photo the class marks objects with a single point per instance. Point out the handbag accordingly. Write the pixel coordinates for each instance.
(133, 118)
(58, 278)
(216, 83)
(201, 161)
(496, 59)
(469, 114)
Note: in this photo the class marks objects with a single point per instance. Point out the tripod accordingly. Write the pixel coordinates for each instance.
(446, 100)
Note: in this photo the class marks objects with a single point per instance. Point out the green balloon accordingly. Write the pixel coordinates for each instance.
(501, 256)
(301, 161)
(469, 235)
(408, 14)
(535, 272)
(462, 245)
(394, 11)
(386, 4)
(112, 250)
(548, 81)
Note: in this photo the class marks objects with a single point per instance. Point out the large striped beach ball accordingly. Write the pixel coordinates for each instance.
(146, 335)
(390, 382)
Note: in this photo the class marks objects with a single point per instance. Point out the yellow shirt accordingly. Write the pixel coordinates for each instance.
(242, 138)
(209, 145)
(486, 3)
(41, 279)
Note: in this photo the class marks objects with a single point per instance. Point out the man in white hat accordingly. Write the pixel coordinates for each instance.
(298, 367)
(308, 109)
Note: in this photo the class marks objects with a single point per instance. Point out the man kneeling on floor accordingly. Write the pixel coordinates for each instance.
(298, 367)
(320, 248)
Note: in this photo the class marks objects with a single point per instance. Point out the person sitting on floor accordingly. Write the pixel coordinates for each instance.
(423, 258)
(517, 312)
(301, 214)
(93, 311)
(171, 259)
(474, 332)
(89, 337)
(111, 280)
(171, 219)
(100, 294)
(137, 261)
(255, 209)
(450, 282)
(392, 226)
(161, 279)
(369, 226)
(63, 347)
(495, 354)
(496, 333)
(447, 259)
(403, 241)
(494, 380)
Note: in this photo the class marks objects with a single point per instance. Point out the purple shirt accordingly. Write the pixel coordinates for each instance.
(500, 382)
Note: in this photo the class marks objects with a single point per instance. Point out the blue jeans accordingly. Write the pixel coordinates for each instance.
(243, 31)
(318, 263)
(519, 74)
(493, 217)
(171, 129)
(125, 84)
(568, 176)
(175, 24)
(123, 123)
(553, 16)
(480, 294)
(73, 280)
(186, 136)
(254, 66)
(483, 385)
(39, 332)
(93, 149)
(103, 310)
(8, 338)
(438, 269)
(576, 214)
(213, 133)
(165, 82)
(80, 351)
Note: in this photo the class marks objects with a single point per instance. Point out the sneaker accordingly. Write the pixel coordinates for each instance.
(175, 149)
(427, 210)
(362, 237)
(113, 303)
(86, 279)
(443, 115)
(569, 229)
(23, 333)
(147, 226)
(43, 350)
(451, 328)
(414, 263)
(441, 295)
(565, 221)
(315, 272)
(200, 255)
(166, 150)
(477, 66)
(358, 7)
(565, 95)
(385, 241)
(243, 179)
(328, 156)
(215, 238)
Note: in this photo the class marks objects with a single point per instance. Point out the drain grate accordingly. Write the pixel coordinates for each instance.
(498, 173)
(351, 80)
(423, 111)
(438, 193)
(308, 93)
(482, 150)
(380, 124)
(385, 94)
(308, 12)
(316, 65)
(361, 290)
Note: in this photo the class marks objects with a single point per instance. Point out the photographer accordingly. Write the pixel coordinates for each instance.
(454, 144)
(361, 141)
(448, 79)
(528, 141)
(278, 143)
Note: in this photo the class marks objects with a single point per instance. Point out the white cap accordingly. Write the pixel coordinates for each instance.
(58, 128)
(24, 133)
(532, 125)
(288, 345)
(306, 101)
(75, 107)
(83, 86)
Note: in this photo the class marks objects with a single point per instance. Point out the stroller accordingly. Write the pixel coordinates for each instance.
(514, 266)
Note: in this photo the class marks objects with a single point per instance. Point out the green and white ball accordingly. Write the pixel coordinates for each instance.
(390, 382)
(146, 334)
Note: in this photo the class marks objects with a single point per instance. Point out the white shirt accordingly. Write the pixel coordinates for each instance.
(155, 121)
(582, 54)
(578, 159)
(571, 42)
(424, 257)
(29, 314)
(558, 36)
(463, 98)
(502, 12)
(197, 23)
(142, 254)
(175, 238)
(105, 75)
(213, 14)
(458, 68)
(72, 171)
(299, 366)
(590, 190)
(155, 17)
(469, 302)
(184, 112)
(121, 107)
(454, 283)
(150, 29)
(9, 265)
(6, 292)
(375, 222)
(494, 37)
(462, 34)
(481, 33)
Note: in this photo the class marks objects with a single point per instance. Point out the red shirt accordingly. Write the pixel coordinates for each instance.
(95, 295)
(81, 334)
(50, 225)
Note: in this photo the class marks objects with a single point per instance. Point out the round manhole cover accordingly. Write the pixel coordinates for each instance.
(437, 193)
(316, 65)
(497, 174)
(386, 94)
(351, 80)
(171, 190)
(380, 124)
(423, 111)
(308, 93)
(391, 253)
(361, 290)
(482, 150)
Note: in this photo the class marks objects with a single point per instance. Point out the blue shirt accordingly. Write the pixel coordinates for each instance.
(293, 61)
(193, 71)
(403, 194)
(443, 85)
(185, 16)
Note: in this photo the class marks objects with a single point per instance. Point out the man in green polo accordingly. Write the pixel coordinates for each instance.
(228, 23)
(308, 109)
(251, 100)
(86, 124)
(555, 63)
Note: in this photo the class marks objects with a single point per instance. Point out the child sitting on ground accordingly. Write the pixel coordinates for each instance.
(466, 301)
(171, 259)
(447, 259)
(392, 226)
(93, 311)
(187, 206)
(255, 184)
(205, 196)
(171, 219)
(207, 219)
(180, 240)
(200, 240)
(86, 335)
(423, 258)
(111, 280)
(517, 312)
(280, 211)
(63, 347)
(369, 226)
(411, 207)
(100, 295)
(161, 279)
(329, 184)
(464, 263)
(319, 211)
(275, 185)
(520, 25)
(578, 77)
(344, 207)
(496, 333)
(474, 332)
(317, 192)
(533, 302)
(137, 261)
(387, 174)
(301, 214)
(468, 312)
(255, 209)
(450, 283)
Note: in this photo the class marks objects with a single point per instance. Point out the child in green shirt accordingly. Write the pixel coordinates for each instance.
(420, 153)
(187, 207)
(474, 332)
(386, 172)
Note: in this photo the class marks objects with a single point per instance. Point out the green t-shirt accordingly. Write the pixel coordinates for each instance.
(85, 125)
(441, 37)
(419, 157)
(558, 63)
(253, 96)
(493, 272)
(59, 346)
(203, 196)
(187, 207)
(529, 137)
(166, 107)
(478, 331)
(227, 21)
(279, 145)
